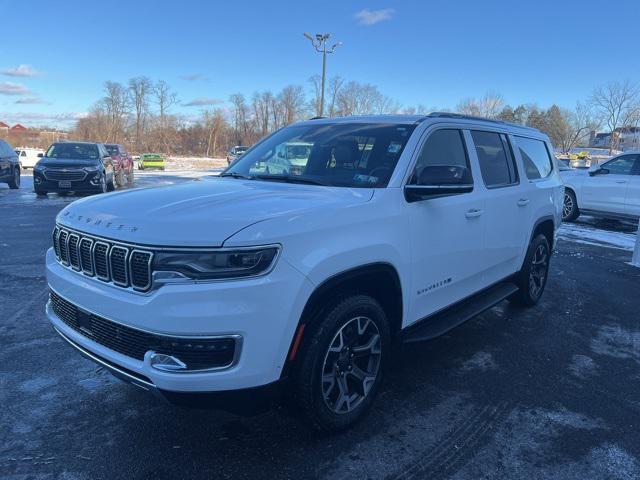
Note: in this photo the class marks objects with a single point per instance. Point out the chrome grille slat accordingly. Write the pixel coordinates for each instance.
(86, 256)
(123, 266)
(118, 257)
(72, 248)
(64, 174)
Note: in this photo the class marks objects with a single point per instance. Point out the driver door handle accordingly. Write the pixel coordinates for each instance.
(523, 202)
(473, 213)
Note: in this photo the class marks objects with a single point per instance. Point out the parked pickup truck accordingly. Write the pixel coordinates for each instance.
(240, 291)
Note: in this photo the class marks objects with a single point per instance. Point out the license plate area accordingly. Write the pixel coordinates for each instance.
(64, 184)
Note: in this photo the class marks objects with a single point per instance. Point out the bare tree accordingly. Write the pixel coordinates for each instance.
(615, 103)
(116, 103)
(316, 94)
(240, 118)
(140, 89)
(489, 106)
(292, 101)
(580, 123)
(262, 103)
(165, 99)
(214, 123)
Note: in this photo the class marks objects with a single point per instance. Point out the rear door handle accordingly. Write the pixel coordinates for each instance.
(473, 213)
(523, 202)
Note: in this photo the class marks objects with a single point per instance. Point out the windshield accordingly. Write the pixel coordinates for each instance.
(338, 154)
(112, 149)
(81, 151)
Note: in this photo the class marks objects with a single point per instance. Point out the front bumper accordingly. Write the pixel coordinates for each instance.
(264, 311)
(78, 186)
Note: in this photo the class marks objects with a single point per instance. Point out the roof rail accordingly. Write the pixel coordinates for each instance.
(460, 116)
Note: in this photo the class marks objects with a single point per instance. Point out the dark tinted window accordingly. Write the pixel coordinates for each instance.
(4, 149)
(622, 165)
(113, 149)
(536, 158)
(496, 159)
(443, 147)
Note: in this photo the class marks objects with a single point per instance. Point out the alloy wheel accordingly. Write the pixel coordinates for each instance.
(351, 365)
(567, 206)
(538, 272)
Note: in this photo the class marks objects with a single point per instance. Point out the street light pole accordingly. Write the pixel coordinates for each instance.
(320, 44)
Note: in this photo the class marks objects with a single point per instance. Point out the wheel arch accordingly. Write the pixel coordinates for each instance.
(379, 280)
(546, 226)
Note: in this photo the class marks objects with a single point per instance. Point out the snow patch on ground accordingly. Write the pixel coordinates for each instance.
(592, 236)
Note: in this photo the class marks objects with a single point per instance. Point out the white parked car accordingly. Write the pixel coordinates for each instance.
(234, 291)
(610, 190)
(28, 157)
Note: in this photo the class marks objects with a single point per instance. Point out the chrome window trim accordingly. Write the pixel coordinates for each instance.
(107, 262)
(91, 272)
(126, 265)
(238, 339)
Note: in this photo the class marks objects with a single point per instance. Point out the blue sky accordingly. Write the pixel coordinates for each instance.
(428, 52)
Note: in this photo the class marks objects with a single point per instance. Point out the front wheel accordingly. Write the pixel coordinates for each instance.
(14, 183)
(570, 209)
(532, 278)
(339, 371)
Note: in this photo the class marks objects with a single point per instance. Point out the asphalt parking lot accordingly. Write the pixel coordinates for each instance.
(549, 392)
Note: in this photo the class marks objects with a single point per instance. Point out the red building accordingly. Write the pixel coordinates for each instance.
(18, 128)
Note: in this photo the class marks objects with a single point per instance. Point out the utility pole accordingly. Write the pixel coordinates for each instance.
(320, 44)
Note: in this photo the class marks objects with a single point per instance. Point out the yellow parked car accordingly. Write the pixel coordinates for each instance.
(151, 160)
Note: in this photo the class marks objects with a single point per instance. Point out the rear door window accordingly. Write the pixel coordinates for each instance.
(536, 157)
(621, 166)
(496, 160)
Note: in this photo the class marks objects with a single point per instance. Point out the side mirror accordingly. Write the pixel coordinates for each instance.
(598, 171)
(439, 181)
(106, 157)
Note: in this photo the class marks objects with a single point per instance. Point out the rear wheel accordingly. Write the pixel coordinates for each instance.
(110, 185)
(339, 371)
(532, 278)
(14, 183)
(570, 209)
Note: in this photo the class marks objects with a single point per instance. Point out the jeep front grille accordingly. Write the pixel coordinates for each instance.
(103, 259)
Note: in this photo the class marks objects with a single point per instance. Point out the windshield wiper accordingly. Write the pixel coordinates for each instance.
(291, 179)
(236, 175)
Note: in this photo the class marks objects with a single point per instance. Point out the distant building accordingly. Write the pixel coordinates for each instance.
(625, 139)
(18, 128)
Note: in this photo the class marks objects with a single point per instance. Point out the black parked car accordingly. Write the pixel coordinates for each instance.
(81, 167)
(9, 166)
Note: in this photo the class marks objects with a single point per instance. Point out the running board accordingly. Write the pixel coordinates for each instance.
(441, 322)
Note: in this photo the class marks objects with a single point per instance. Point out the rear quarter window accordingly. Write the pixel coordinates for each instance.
(535, 156)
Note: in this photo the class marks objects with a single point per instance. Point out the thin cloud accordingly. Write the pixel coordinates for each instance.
(202, 102)
(194, 77)
(64, 119)
(10, 88)
(22, 70)
(32, 101)
(368, 17)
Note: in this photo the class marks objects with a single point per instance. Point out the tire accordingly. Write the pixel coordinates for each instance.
(14, 183)
(570, 210)
(120, 179)
(346, 350)
(532, 278)
(110, 185)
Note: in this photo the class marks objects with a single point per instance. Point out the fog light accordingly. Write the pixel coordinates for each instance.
(167, 363)
(37, 179)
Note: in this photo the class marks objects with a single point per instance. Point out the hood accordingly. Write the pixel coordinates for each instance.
(67, 162)
(200, 213)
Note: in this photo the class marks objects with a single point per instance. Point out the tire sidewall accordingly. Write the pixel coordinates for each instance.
(526, 270)
(313, 357)
(574, 211)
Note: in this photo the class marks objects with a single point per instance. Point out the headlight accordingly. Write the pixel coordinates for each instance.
(211, 265)
(93, 169)
(38, 167)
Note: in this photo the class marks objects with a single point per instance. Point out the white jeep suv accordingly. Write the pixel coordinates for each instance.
(240, 291)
